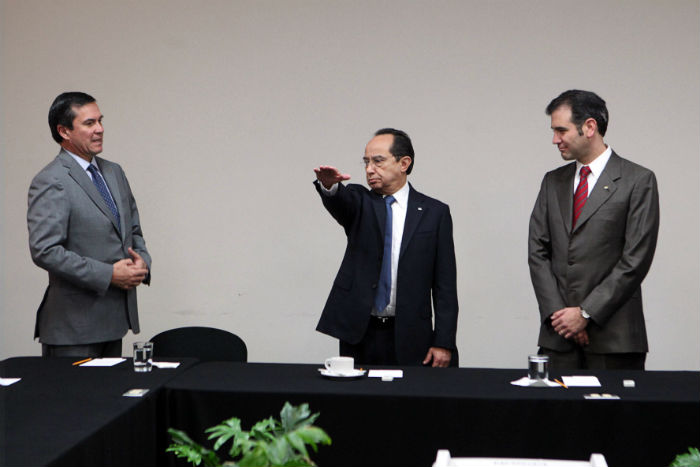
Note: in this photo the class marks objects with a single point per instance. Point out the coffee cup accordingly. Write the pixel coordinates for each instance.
(340, 365)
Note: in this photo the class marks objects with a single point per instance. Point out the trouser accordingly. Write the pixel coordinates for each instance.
(96, 350)
(579, 359)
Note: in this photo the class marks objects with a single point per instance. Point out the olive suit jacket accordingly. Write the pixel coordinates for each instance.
(74, 236)
(600, 264)
(426, 278)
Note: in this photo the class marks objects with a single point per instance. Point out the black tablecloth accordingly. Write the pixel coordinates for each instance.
(471, 412)
(60, 414)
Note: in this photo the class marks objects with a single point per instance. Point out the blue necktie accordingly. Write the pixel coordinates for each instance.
(381, 300)
(102, 188)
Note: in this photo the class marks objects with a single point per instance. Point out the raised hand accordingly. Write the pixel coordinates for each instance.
(329, 176)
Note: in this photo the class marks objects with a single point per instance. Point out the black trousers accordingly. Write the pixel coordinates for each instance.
(96, 350)
(579, 359)
(378, 346)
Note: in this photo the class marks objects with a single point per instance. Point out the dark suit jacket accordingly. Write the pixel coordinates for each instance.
(74, 236)
(601, 264)
(426, 266)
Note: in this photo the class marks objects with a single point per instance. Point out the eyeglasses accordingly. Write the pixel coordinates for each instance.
(377, 161)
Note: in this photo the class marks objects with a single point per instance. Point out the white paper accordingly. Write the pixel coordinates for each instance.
(581, 381)
(8, 381)
(603, 397)
(385, 373)
(103, 362)
(525, 382)
(166, 364)
(135, 393)
(512, 462)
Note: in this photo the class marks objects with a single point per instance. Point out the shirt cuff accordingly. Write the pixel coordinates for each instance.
(329, 191)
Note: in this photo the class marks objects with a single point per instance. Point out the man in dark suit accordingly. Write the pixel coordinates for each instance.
(84, 230)
(593, 233)
(399, 258)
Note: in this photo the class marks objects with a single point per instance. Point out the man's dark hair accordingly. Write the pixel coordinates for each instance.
(62, 111)
(401, 146)
(584, 105)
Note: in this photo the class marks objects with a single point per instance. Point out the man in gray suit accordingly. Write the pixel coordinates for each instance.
(593, 233)
(84, 230)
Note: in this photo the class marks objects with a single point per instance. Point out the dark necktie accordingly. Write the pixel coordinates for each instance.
(581, 194)
(102, 188)
(381, 300)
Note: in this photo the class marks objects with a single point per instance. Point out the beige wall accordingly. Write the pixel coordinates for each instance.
(219, 110)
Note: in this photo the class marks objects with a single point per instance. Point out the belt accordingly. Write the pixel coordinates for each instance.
(382, 321)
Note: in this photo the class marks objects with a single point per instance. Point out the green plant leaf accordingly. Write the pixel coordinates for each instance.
(313, 435)
(279, 451)
(264, 429)
(691, 459)
(184, 447)
(297, 443)
(241, 444)
(298, 462)
(255, 458)
(180, 437)
(224, 431)
(295, 417)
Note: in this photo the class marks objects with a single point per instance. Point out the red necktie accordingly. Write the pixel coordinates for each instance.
(581, 194)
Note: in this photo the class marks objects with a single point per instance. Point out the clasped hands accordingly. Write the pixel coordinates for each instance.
(128, 273)
(569, 324)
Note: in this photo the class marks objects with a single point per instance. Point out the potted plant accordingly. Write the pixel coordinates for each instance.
(689, 459)
(269, 442)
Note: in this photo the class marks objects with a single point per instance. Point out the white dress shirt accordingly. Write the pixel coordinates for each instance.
(85, 164)
(596, 167)
(398, 219)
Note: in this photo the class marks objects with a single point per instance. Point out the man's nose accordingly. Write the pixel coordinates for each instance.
(556, 139)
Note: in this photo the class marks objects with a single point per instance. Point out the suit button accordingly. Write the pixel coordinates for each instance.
(374, 286)
(571, 262)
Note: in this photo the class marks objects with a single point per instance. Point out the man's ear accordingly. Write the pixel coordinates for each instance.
(590, 127)
(405, 163)
(63, 131)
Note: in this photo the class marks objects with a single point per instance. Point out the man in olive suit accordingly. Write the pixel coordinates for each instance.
(593, 233)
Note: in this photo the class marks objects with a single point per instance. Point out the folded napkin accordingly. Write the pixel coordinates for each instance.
(165, 365)
(535, 383)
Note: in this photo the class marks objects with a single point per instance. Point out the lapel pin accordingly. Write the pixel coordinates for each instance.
(420, 209)
(605, 187)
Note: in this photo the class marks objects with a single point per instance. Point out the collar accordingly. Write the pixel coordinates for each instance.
(83, 163)
(401, 196)
(598, 163)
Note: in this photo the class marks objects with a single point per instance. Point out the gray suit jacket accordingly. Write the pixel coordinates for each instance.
(74, 236)
(600, 265)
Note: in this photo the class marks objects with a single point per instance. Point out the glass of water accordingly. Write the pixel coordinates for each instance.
(538, 367)
(143, 356)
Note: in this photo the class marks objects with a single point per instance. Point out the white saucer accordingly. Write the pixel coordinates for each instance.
(349, 374)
